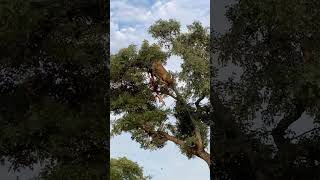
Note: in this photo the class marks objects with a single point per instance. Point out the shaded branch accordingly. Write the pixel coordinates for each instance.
(164, 134)
(201, 153)
(172, 138)
(196, 129)
(314, 129)
(279, 132)
(199, 100)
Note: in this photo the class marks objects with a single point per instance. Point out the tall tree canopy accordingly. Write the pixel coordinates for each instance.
(52, 88)
(132, 97)
(123, 168)
(276, 46)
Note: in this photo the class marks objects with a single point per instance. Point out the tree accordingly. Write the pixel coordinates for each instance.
(276, 46)
(52, 90)
(123, 168)
(133, 99)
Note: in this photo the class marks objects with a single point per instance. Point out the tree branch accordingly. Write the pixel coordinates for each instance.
(279, 132)
(199, 100)
(201, 153)
(314, 129)
(196, 129)
(172, 138)
(164, 134)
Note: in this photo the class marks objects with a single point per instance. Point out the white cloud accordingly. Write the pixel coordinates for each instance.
(130, 22)
(174, 64)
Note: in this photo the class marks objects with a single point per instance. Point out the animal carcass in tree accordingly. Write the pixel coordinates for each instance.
(162, 74)
(157, 70)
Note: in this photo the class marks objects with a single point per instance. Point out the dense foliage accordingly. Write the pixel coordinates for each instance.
(132, 97)
(52, 87)
(275, 44)
(123, 168)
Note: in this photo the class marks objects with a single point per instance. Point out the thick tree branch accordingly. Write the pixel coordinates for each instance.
(201, 153)
(172, 138)
(196, 129)
(164, 134)
(199, 100)
(279, 132)
(205, 156)
(311, 130)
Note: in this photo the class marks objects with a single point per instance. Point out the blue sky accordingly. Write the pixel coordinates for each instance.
(129, 21)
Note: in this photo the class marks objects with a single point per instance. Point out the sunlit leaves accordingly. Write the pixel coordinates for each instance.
(123, 168)
(165, 31)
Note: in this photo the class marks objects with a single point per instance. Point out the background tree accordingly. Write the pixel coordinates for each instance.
(123, 168)
(132, 97)
(275, 44)
(52, 87)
